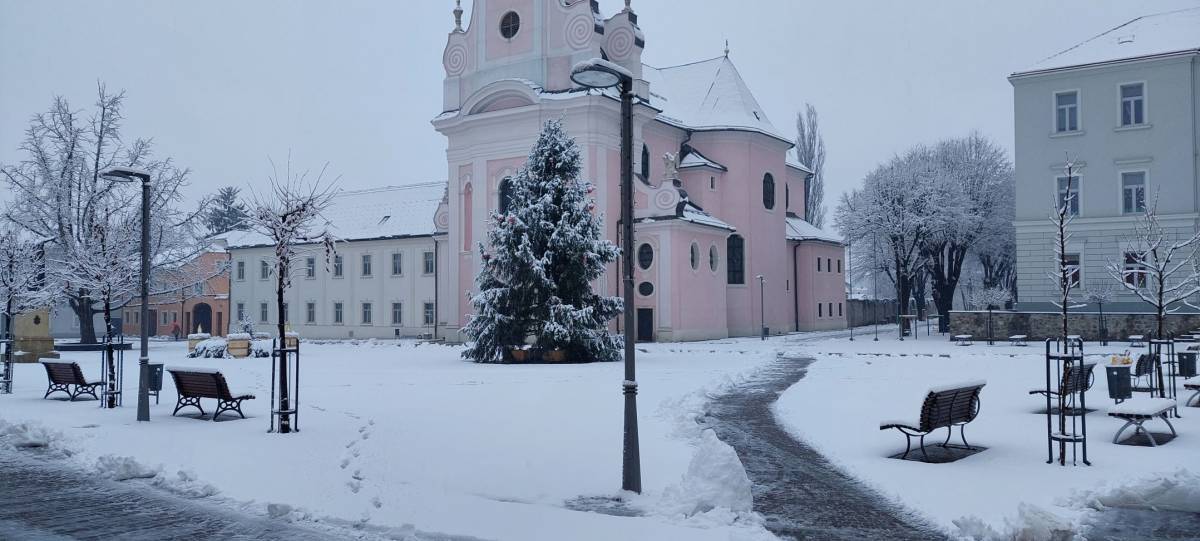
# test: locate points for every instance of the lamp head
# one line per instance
(599, 73)
(126, 174)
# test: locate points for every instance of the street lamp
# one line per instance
(130, 174)
(762, 310)
(599, 74)
(875, 281)
(850, 277)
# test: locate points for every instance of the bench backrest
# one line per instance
(1144, 365)
(950, 407)
(201, 384)
(64, 373)
(1078, 379)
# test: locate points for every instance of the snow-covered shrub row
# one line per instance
(218, 348)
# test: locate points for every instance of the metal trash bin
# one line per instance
(156, 377)
(1120, 386)
(1187, 363)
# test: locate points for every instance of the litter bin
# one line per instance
(1120, 386)
(156, 375)
(1187, 364)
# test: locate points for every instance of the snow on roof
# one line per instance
(695, 159)
(793, 160)
(377, 213)
(798, 229)
(1149, 35)
(693, 214)
(709, 94)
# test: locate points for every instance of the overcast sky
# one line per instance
(222, 85)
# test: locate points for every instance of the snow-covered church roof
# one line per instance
(706, 95)
(377, 213)
(798, 229)
(1172, 32)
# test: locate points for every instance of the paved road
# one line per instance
(798, 491)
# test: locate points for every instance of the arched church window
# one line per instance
(787, 196)
(736, 259)
(467, 213)
(510, 24)
(695, 256)
(769, 191)
(645, 163)
(645, 256)
(505, 195)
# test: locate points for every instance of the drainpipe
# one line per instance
(436, 305)
(796, 284)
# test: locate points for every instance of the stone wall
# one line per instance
(864, 311)
(1041, 325)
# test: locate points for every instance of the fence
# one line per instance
(868, 312)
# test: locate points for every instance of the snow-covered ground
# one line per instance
(398, 434)
(1008, 488)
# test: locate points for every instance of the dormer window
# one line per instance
(510, 24)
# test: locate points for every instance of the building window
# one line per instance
(338, 318)
(820, 310)
(818, 264)
(839, 309)
(839, 266)
(263, 315)
(735, 252)
(241, 270)
(366, 313)
(264, 270)
(505, 194)
(286, 319)
(712, 183)
(713, 258)
(645, 162)
(1066, 111)
(241, 311)
(1133, 104)
(787, 196)
(510, 24)
(429, 313)
(429, 264)
(1068, 194)
(645, 256)
(695, 256)
(1074, 276)
(310, 313)
(769, 191)
(1133, 192)
(397, 314)
(397, 264)
(310, 267)
(366, 265)
(830, 311)
(1134, 270)
(337, 266)
(829, 268)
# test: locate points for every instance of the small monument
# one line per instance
(31, 336)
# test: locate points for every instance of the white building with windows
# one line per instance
(1123, 106)
(381, 284)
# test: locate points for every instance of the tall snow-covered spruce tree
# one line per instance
(542, 255)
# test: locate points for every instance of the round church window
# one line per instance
(646, 289)
(510, 24)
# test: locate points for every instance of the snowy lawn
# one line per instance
(855, 385)
(397, 434)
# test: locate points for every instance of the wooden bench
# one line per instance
(63, 375)
(1136, 340)
(192, 384)
(944, 407)
(1079, 379)
(962, 339)
(1018, 340)
(1139, 410)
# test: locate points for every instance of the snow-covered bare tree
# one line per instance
(22, 288)
(1066, 274)
(227, 212)
(1100, 294)
(810, 149)
(990, 298)
(1158, 266)
(894, 210)
(289, 215)
(996, 250)
(60, 195)
(973, 176)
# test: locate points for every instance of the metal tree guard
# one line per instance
(1160, 349)
(112, 355)
(278, 413)
(1066, 379)
(6, 369)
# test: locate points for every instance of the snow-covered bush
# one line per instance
(218, 348)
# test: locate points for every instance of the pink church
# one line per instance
(720, 247)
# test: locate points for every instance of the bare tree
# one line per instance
(1158, 266)
(1066, 275)
(1100, 294)
(289, 216)
(810, 149)
(22, 287)
(990, 298)
(60, 195)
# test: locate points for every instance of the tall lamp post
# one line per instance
(600, 74)
(850, 277)
(875, 281)
(130, 174)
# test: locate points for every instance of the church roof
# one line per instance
(694, 158)
(706, 95)
(1166, 33)
(798, 229)
(377, 213)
